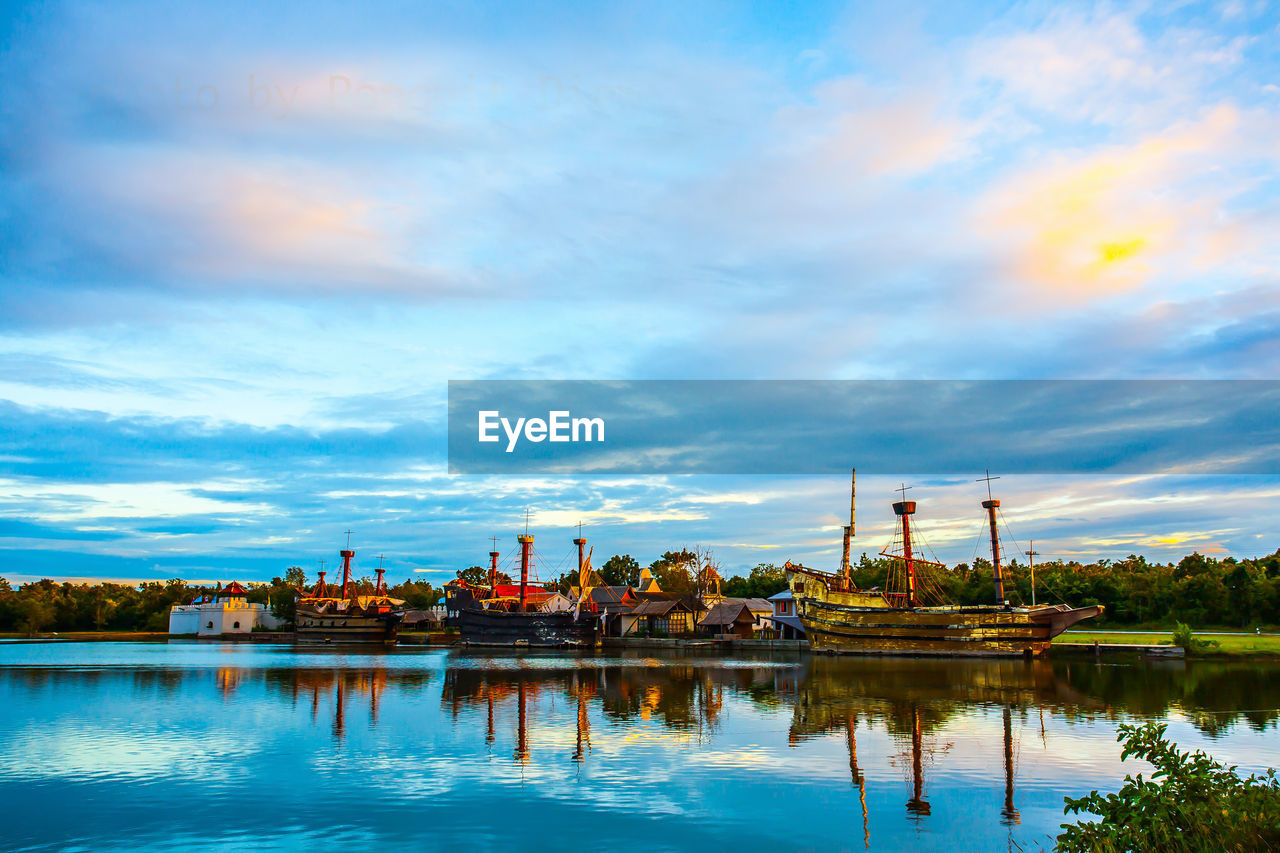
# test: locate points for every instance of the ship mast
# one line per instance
(347, 554)
(581, 542)
(905, 509)
(493, 567)
(848, 530)
(526, 542)
(991, 505)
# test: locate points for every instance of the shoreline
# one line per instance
(1232, 646)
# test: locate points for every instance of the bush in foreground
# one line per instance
(1190, 803)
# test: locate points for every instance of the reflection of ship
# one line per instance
(511, 615)
(911, 615)
(348, 616)
(914, 701)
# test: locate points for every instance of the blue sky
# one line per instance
(244, 249)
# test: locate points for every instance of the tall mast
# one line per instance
(493, 566)
(904, 509)
(380, 587)
(581, 542)
(991, 505)
(347, 554)
(848, 530)
(1008, 813)
(526, 542)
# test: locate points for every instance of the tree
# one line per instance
(765, 580)
(674, 571)
(474, 575)
(619, 570)
(295, 577)
(1196, 804)
(34, 613)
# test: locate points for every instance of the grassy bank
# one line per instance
(87, 635)
(1228, 644)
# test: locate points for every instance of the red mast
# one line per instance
(380, 588)
(991, 505)
(526, 542)
(493, 571)
(905, 509)
(321, 590)
(347, 554)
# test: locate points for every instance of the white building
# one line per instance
(227, 612)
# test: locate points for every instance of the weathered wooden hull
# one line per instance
(339, 627)
(500, 628)
(843, 622)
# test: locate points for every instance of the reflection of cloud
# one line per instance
(80, 751)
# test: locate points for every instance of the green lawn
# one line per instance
(1229, 644)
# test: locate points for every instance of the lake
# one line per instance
(232, 746)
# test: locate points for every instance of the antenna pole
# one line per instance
(1032, 553)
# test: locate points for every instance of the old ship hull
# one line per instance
(847, 621)
(500, 628)
(347, 628)
(936, 631)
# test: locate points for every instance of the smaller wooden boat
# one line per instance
(521, 615)
(347, 616)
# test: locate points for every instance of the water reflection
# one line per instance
(840, 753)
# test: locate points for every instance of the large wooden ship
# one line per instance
(910, 617)
(345, 615)
(521, 615)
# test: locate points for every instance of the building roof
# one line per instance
(232, 589)
(785, 595)
(659, 607)
(756, 605)
(611, 594)
(728, 612)
(793, 621)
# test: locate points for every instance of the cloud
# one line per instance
(1123, 217)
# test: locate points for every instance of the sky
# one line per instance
(244, 249)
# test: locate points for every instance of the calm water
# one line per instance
(194, 746)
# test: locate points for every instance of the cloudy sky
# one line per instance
(243, 251)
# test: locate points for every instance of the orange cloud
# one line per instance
(1113, 219)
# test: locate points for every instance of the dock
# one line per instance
(1100, 649)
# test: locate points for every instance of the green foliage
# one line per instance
(1182, 636)
(475, 575)
(1198, 590)
(674, 571)
(48, 606)
(417, 594)
(1190, 803)
(618, 570)
(765, 580)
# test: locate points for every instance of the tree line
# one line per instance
(46, 605)
(1198, 590)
